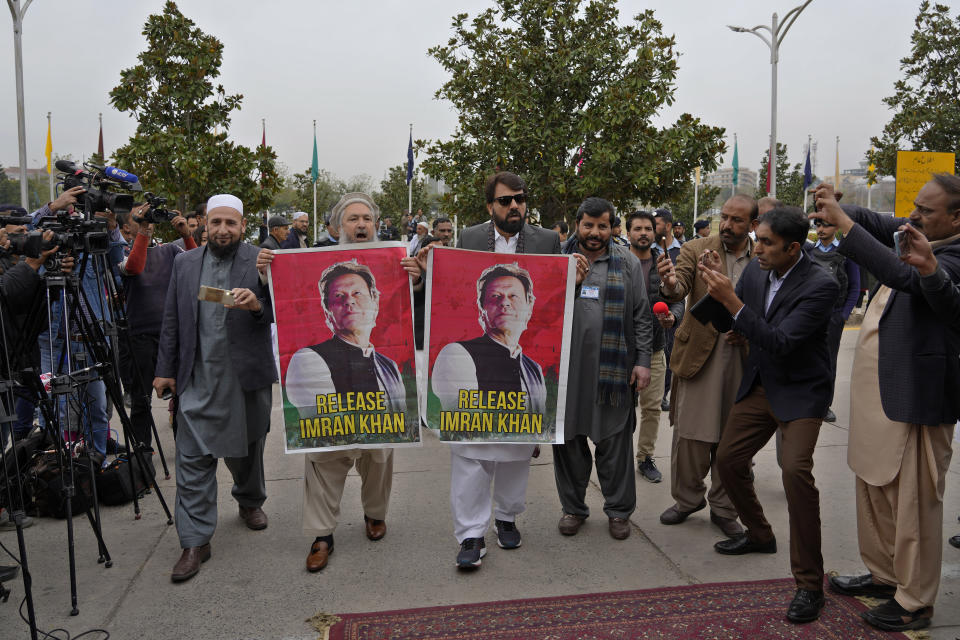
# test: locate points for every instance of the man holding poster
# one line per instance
(609, 362)
(505, 298)
(344, 389)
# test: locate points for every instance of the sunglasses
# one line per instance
(505, 200)
(821, 223)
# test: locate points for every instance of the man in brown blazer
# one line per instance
(707, 367)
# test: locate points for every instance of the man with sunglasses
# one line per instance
(474, 466)
(847, 274)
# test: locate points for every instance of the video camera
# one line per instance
(158, 211)
(98, 181)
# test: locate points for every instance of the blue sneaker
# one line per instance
(508, 536)
(471, 552)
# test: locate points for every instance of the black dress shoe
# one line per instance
(955, 541)
(861, 586)
(743, 544)
(806, 606)
(890, 616)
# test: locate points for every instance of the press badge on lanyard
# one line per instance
(590, 293)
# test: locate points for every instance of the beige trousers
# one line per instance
(900, 525)
(691, 461)
(324, 476)
(650, 398)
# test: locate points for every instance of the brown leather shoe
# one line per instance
(319, 553)
(189, 563)
(569, 524)
(255, 518)
(376, 529)
(674, 515)
(730, 527)
(619, 528)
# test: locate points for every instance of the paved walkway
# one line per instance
(255, 585)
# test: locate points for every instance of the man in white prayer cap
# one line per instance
(297, 239)
(211, 356)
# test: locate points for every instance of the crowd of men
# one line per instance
(747, 320)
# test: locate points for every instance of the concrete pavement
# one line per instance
(255, 585)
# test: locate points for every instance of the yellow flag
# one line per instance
(48, 150)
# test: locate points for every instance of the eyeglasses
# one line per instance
(821, 223)
(505, 200)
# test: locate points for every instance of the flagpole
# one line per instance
(836, 168)
(809, 138)
(49, 171)
(410, 184)
(315, 236)
(696, 189)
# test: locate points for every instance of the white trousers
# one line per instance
(470, 493)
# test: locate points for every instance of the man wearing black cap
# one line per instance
(678, 231)
(279, 230)
(668, 244)
(702, 228)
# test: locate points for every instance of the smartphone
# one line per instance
(212, 294)
(166, 395)
(900, 241)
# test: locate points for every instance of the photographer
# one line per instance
(92, 395)
(146, 274)
(18, 288)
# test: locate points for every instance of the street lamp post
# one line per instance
(773, 41)
(17, 11)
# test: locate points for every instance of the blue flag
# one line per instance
(807, 174)
(410, 159)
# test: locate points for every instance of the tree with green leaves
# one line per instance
(681, 205)
(541, 85)
(926, 100)
(392, 198)
(329, 189)
(9, 189)
(181, 149)
(789, 180)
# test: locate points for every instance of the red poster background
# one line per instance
(454, 314)
(301, 321)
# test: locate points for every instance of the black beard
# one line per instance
(509, 226)
(224, 251)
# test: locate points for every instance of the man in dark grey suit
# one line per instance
(211, 355)
(474, 467)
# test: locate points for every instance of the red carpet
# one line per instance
(730, 610)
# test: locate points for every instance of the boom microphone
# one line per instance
(120, 174)
(67, 166)
(660, 308)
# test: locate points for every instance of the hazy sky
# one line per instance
(361, 70)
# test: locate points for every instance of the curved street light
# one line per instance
(777, 30)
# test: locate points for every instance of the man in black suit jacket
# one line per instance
(903, 399)
(782, 306)
(211, 355)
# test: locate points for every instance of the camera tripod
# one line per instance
(96, 351)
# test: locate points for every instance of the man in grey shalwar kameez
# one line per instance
(211, 355)
(610, 353)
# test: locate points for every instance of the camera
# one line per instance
(158, 211)
(97, 182)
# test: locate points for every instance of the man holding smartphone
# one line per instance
(903, 400)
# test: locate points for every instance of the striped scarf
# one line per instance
(613, 382)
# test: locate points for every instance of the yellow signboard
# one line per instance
(914, 169)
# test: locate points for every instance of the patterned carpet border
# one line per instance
(727, 610)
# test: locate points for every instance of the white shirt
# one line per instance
(776, 283)
(502, 244)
